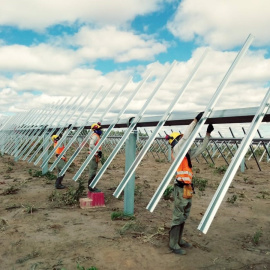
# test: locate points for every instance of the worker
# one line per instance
(183, 187)
(93, 164)
(61, 163)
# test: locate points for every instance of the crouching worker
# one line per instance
(93, 164)
(183, 187)
(61, 163)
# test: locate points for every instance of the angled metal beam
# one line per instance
(90, 133)
(232, 169)
(39, 138)
(106, 134)
(178, 159)
(49, 132)
(161, 123)
(132, 125)
(59, 126)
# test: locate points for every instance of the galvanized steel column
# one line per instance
(130, 187)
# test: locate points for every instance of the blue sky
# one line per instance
(51, 51)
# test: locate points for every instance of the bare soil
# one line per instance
(37, 231)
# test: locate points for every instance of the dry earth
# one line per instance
(37, 231)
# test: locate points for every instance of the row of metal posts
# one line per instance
(130, 138)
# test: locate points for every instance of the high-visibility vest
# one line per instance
(184, 172)
(59, 150)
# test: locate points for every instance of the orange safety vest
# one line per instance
(59, 150)
(184, 172)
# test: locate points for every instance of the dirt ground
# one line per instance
(39, 231)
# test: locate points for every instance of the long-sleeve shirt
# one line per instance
(94, 138)
(192, 152)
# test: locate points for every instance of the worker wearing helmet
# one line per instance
(61, 163)
(93, 164)
(183, 187)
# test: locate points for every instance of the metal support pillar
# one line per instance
(242, 167)
(130, 187)
(169, 153)
(45, 169)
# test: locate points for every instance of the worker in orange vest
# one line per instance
(93, 164)
(61, 163)
(183, 187)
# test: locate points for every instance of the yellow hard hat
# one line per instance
(54, 137)
(170, 138)
(96, 126)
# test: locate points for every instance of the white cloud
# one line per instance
(40, 58)
(119, 45)
(246, 87)
(222, 24)
(43, 13)
(55, 57)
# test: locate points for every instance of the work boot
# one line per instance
(58, 183)
(92, 189)
(173, 242)
(182, 242)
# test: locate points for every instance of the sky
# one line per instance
(50, 50)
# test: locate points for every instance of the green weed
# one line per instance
(79, 267)
(221, 169)
(121, 216)
(29, 208)
(256, 237)
(232, 199)
(9, 169)
(70, 197)
(200, 183)
(132, 226)
(48, 175)
(161, 160)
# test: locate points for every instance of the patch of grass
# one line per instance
(9, 169)
(3, 224)
(70, 197)
(11, 163)
(200, 183)
(264, 194)
(167, 195)
(245, 179)
(29, 208)
(10, 190)
(160, 160)
(48, 175)
(138, 191)
(256, 237)
(221, 169)
(132, 226)
(121, 216)
(232, 199)
(79, 267)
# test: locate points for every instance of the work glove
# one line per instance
(199, 116)
(210, 128)
(99, 154)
